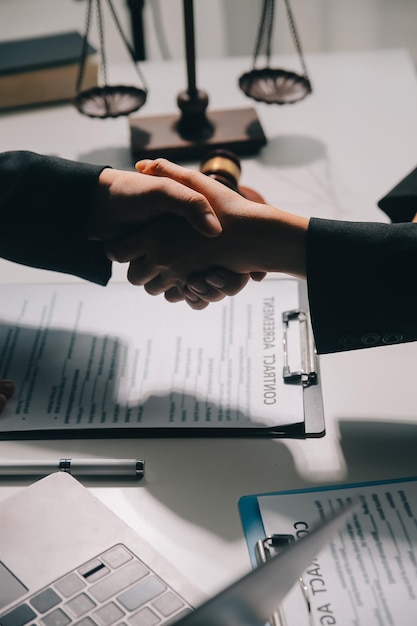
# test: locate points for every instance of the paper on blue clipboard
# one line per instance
(367, 575)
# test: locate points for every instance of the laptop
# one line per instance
(65, 558)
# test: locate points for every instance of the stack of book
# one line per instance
(43, 70)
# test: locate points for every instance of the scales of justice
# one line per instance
(195, 130)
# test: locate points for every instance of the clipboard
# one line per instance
(368, 572)
(245, 367)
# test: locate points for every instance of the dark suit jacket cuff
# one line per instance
(361, 279)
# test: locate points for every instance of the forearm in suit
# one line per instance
(362, 283)
(44, 205)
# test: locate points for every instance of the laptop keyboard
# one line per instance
(114, 588)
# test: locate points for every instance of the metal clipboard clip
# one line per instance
(307, 375)
(269, 547)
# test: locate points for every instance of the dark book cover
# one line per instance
(37, 53)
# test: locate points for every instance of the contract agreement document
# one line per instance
(87, 358)
(367, 574)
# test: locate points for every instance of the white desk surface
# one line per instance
(333, 155)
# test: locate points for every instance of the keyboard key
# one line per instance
(18, 617)
(80, 605)
(176, 618)
(56, 618)
(108, 614)
(94, 570)
(70, 585)
(116, 557)
(144, 617)
(142, 592)
(45, 600)
(87, 621)
(168, 603)
(114, 583)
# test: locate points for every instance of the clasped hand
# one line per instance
(190, 237)
(168, 255)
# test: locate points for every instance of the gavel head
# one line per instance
(224, 166)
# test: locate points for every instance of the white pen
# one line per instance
(109, 468)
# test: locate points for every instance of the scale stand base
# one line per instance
(238, 130)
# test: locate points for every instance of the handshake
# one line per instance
(182, 233)
(190, 237)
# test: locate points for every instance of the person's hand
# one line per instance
(124, 201)
(6, 392)
(214, 285)
(166, 252)
(256, 238)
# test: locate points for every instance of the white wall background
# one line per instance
(228, 27)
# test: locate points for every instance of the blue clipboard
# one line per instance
(251, 517)
(384, 527)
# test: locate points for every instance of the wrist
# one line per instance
(287, 238)
(270, 240)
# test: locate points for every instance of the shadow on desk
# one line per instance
(119, 157)
(292, 151)
(281, 151)
(204, 483)
(376, 450)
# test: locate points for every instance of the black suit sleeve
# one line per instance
(362, 283)
(44, 203)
